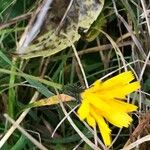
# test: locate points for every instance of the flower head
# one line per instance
(106, 101)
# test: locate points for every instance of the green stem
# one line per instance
(11, 93)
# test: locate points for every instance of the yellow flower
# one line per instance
(106, 101)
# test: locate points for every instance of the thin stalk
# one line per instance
(11, 92)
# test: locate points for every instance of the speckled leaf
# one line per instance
(81, 15)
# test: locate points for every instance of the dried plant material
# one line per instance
(141, 130)
(50, 101)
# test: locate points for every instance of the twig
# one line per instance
(15, 20)
(138, 142)
(143, 124)
(144, 66)
(64, 17)
(65, 117)
(103, 48)
(137, 43)
(78, 60)
(145, 15)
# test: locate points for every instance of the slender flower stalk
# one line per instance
(106, 101)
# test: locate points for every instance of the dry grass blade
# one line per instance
(137, 143)
(18, 121)
(142, 129)
(33, 140)
(136, 41)
(146, 15)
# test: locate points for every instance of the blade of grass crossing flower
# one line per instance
(96, 86)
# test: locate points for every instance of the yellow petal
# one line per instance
(105, 131)
(118, 91)
(119, 119)
(121, 106)
(91, 121)
(120, 79)
(83, 110)
(127, 89)
(96, 86)
(103, 127)
(94, 100)
(103, 100)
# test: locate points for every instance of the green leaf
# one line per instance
(40, 87)
(72, 138)
(94, 30)
(5, 58)
(20, 144)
